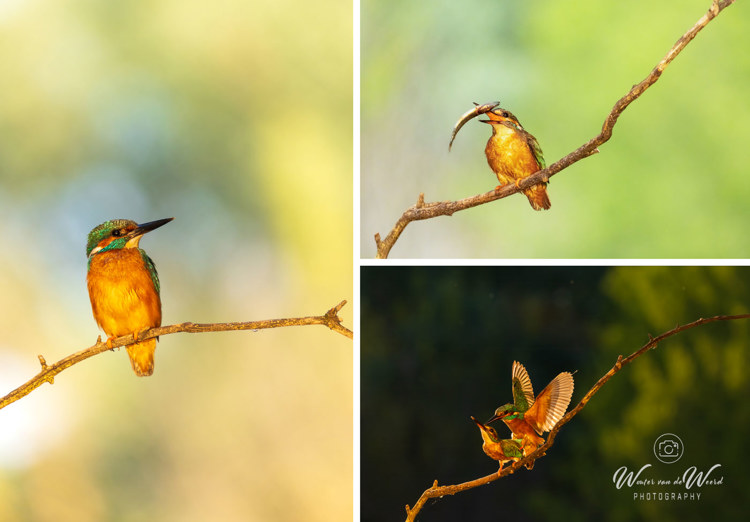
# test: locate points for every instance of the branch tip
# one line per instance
(336, 309)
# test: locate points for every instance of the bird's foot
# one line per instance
(518, 183)
(109, 342)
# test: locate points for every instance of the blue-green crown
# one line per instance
(105, 230)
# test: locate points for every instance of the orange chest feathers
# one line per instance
(123, 297)
(522, 430)
(509, 155)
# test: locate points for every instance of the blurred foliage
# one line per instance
(438, 344)
(669, 184)
(236, 119)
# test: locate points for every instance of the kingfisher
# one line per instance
(502, 450)
(124, 286)
(527, 417)
(512, 153)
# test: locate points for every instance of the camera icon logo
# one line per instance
(668, 448)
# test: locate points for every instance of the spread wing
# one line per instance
(523, 393)
(551, 404)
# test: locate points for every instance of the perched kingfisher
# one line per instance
(502, 450)
(512, 153)
(525, 416)
(124, 286)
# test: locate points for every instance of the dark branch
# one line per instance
(438, 491)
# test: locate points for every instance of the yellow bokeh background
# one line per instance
(236, 119)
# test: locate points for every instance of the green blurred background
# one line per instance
(438, 344)
(671, 183)
(236, 119)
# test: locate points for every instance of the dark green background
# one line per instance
(438, 344)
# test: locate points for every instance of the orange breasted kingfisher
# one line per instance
(502, 450)
(527, 417)
(124, 286)
(512, 153)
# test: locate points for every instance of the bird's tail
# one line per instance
(142, 357)
(538, 197)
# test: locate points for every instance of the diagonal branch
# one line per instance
(424, 210)
(439, 491)
(47, 374)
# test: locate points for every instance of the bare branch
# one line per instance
(439, 491)
(47, 374)
(447, 208)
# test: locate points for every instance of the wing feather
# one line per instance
(523, 392)
(551, 404)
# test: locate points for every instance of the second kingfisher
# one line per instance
(526, 415)
(124, 286)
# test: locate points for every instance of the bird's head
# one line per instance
(501, 117)
(506, 411)
(488, 432)
(119, 233)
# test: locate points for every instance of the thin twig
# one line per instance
(48, 372)
(438, 491)
(424, 210)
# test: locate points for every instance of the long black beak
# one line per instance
(148, 227)
(497, 417)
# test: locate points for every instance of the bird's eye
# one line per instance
(116, 233)
(506, 114)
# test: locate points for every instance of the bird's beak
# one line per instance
(134, 237)
(481, 426)
(497, 417)
(148, 227)
(486, 121)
